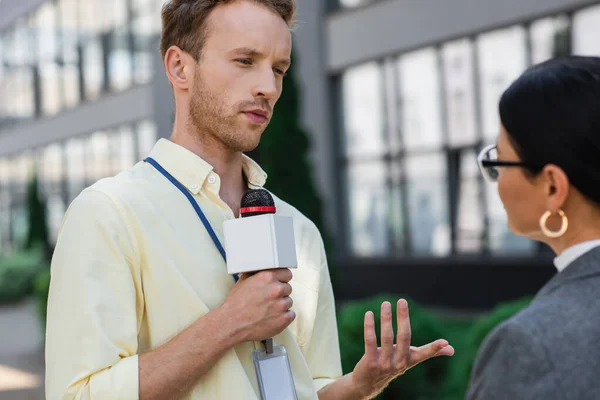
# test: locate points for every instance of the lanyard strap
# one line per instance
(194, 204)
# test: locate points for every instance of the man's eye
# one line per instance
(244, 61)
(279, 71)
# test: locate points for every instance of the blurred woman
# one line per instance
(546, 163)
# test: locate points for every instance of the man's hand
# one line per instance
(259, 305)
(380, 366)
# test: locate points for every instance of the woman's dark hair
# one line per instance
(552, 116)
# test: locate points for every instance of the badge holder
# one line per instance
(274, 373)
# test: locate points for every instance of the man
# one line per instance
(141, 305)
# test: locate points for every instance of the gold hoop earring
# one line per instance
(563, 226)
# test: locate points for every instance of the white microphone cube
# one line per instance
(260, 242)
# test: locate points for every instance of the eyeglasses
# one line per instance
(488, 163)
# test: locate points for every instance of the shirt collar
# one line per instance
(569, 255)
(192, 171)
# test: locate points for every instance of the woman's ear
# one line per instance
(556, 187)
(179, 67)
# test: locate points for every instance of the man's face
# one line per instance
(239, 76)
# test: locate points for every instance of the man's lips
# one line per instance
(257, 116)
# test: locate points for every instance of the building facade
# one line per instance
(398, 96)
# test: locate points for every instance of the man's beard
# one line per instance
(209, 115)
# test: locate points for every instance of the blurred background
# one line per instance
(381, 119)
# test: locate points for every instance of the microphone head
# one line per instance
(257, 202)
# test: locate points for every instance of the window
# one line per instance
(502, 59)
(586, 31)
(368, 202)
(460, 93)
(146, 138)
(421, 125)
(92, 49)
(427, 204)
(549, 38)
(70, 52)
(363, 110)
(46, 32)
(75, 168)
(470, 212)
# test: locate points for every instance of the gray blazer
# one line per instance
(551, 349)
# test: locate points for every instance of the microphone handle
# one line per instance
(268, 345)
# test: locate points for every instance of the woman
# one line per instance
(547, 166)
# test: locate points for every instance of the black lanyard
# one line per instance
(201, 215)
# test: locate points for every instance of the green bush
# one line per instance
(41, 287)
(18, 272)
(457, 380)
(420, 382)
(442, 378)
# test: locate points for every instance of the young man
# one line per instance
(141, 305)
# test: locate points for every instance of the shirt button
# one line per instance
(212, 179)
(194, 186)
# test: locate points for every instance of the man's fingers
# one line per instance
(370, 337)
(434, 349)
(387, 334)
(403, 339)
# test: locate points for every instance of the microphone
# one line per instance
(259, 239)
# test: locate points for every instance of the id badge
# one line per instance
(274, 374)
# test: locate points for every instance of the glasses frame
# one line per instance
(483, 163)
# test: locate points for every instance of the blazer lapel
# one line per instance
(586, 266)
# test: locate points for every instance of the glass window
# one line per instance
(70, 53)
(120, 59)
(143, 27)
(19, 76)
(460, 93)
(363, 109)
(98, 157)
(428, 204)
(420, 99)
(368, 205)
(119, 52)
(397, 205)
(76, 167)
(46, 31)
(502, 59)
(586, 31)
(146, 138)
(122, 150)
(51, 168)
(470, 219)
(549, 38)
(91, 39)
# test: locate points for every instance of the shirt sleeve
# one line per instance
(513, 364)
(92, 317)
(323, 354)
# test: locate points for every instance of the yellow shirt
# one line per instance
(134, 266)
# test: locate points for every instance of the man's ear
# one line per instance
(556, 187)
(179, 67)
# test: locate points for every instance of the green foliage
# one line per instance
(442, 378)
(40, 289)
(37, 220)
(18, 272)
(419, 382)
(460, 367)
